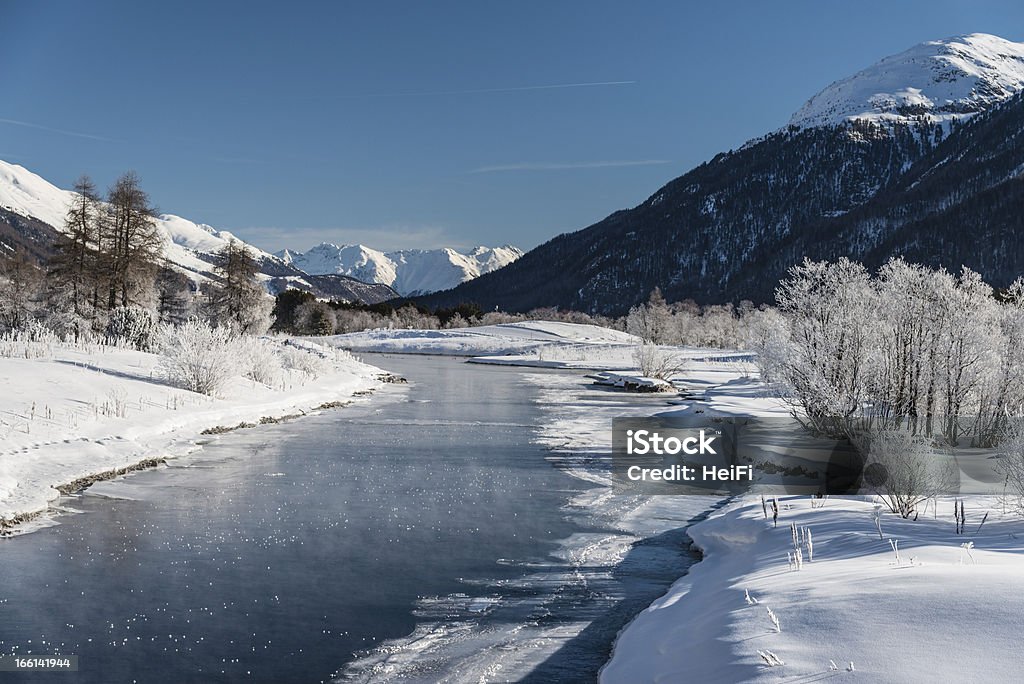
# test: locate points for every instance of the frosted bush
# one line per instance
(33, 342)
(304, 360)
(131, 326)
(262, 362)
(197, 357)
(655, 361)
(774, 619)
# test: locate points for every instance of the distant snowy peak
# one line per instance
(937, 81)
(411, 271)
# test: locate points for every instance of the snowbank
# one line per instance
(77, 412)
(937, 609)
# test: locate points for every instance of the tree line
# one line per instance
(922, 350)
(107, 278)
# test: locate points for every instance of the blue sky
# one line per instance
(421, 124)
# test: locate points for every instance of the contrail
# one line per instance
(559, 166)
(26, 124)
(476, 91)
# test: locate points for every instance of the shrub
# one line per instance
(655, 361)
(262, 362)
(303, 360)
(131, 326)
(197, 357)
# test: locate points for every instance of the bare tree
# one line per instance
(655, 361)
(904, 470)
(238, 300)
(21, 291)
(131, 244)
(74, 274)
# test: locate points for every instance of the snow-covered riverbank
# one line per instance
(70, 413)
(547, 344)
(936, 608)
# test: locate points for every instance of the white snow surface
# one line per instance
(59, 413)
(184, 241)
(408, 271)
(939, 81)
(530, 343)
(936, 610)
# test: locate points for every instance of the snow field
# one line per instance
(936, 610)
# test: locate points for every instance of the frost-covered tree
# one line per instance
(21, 292)
(656, 361)
(197, 356)
(904, 470)
(651, 322)
(828, 307)
(238, 300)
(913, 348)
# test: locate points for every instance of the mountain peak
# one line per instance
(936, 81)
(408, 271)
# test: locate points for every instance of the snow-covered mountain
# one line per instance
(863, 172)
(937, 81)
(190, 246)
(411, 271)
(187, 245)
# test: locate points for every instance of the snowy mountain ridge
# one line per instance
(186, 243)
(937, 82)
(190, 247)
(871, 167)
(409, 271)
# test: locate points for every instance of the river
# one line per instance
(418, 536)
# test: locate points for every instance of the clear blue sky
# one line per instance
(421, 124)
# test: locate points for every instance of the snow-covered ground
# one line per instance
(72, 412)
(538, 343)
(939, 608)
(936, 609)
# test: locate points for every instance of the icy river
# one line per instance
(418, 536)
